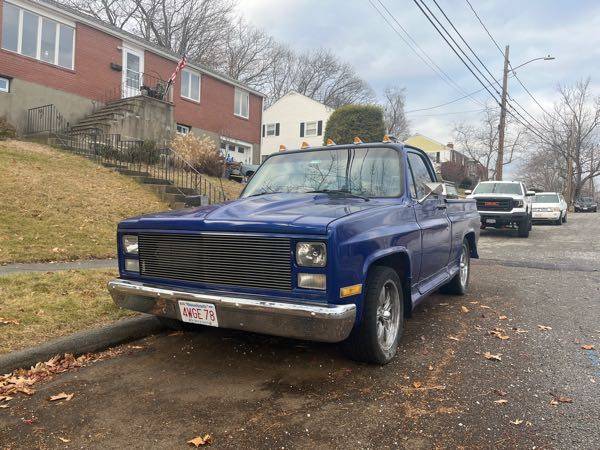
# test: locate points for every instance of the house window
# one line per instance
(190, 85)
(272, 129)
(241, 102)
(183, 129)
(4, 85)
(311, 128)
(36, 36)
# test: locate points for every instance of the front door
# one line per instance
(133, 68)
(433, 220)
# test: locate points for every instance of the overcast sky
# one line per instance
(568, 30)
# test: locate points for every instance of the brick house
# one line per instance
(53, 55)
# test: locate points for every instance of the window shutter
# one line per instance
(264, 127)
(277, 129)
(319, 128)
(301, 129)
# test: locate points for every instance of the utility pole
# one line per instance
(502, 125)
(570, 145)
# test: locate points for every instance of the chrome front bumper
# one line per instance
(310, 321)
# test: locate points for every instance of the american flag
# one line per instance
(180, 65)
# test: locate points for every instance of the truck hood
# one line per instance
(296, 213)
(519, 196)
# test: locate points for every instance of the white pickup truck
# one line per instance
(504, 203)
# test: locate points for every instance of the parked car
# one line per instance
(549, 206)
(586, 204)
(331, 244)
(242, 172)
(504, 204)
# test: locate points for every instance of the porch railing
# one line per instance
(45, 119)
(139, 84)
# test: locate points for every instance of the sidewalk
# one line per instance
(11, 269)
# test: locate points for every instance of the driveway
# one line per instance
(253, 391)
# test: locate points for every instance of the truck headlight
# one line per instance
(311, 254)
(130, 244)
(132, 265)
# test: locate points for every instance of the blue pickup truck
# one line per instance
(334, 244)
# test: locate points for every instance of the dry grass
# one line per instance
(56, 207)
(232, 189)
(49, 305)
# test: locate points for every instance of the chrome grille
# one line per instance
(234, 260)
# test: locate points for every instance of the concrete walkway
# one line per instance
(11, 269)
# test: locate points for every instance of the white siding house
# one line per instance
(292, 119)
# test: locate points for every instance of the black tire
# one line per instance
(530, 223)
(558, 221)
(363, 343)
(177, 325)
(458, 285)
(524, 227)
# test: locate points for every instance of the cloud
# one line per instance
(357, 34)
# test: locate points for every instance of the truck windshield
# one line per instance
(546, 198)
(498, 188)
(365, 172)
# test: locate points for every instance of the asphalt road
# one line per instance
(252, 391)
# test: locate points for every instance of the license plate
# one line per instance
(200, 313)
(490, 220)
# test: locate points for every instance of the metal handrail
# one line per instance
(45, 119)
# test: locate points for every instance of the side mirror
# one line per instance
(468, 191)
(530, 193)
(432, 189)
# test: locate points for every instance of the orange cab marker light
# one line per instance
(357, 140)
(386, 138)
(350, 290)
(330, 142)
(304, 145)
(282, 148)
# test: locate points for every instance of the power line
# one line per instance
(451, 112)
(502, 53)
(423, 56)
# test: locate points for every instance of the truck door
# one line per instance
(432, 217)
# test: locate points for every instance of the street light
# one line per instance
(502, 125)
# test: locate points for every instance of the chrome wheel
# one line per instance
(388, 315)
(464, 266)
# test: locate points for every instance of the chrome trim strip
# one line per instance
(332, 323)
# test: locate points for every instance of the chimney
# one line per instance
(450, 145)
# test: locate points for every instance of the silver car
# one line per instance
(550, 206)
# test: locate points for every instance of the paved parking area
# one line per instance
(252, 391)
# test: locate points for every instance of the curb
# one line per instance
(83, 342)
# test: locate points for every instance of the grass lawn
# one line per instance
(58, 207)
(49, 305)
(232, 189)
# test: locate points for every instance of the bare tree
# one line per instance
(118, 13)
(393, 112)
(480, 142)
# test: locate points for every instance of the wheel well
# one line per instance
(470, 238)
(400, 263)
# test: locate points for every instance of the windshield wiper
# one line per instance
(343, 192)
(265, 193)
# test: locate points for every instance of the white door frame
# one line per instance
(129, 88)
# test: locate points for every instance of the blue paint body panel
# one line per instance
(358, 234)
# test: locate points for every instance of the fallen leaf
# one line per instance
(201, 440)
(5, 398)
(464, 309)
(563, 399)
(501, 401)
(474, 303)
(453, 338)
(499, 335)
(587, 347)
(544, 327)
(502, 318)
(4, 405)
(516, 422)
(485, 307)
(5, 321)
(65, 440)
(492, 357)
(417, 384)
(25, 390)
(61, 396)
(500, 392)
(520, 330)
(553, 402)
(430, 367)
